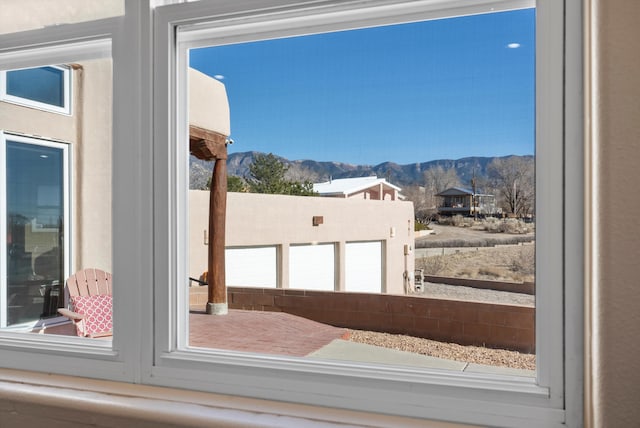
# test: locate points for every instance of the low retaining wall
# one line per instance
(466, 323)
(512, 287)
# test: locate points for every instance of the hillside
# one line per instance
(401, 175)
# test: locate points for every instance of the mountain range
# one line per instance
(319, 171)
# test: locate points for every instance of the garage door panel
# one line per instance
(363, 267)
(251, 267)
(312, 267)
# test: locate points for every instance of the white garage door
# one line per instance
(312, 267)
(251, 267)
(363, 267)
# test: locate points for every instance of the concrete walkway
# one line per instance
(280, 333)
(345, 350)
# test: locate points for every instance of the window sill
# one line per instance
(29, 398)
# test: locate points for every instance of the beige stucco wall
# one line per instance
(208, 104)
(92, 166)
(258, 219)
(88, 133)
(35, 14)
(613, 376)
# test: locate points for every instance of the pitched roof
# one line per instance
(347, 186)
(455, 191)
(458, 191)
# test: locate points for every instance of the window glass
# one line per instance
(36, 196)
(44, 87)
(408, 151)
(55, 204)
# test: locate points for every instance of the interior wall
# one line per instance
(613, 373)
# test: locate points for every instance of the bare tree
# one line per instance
(513, 178)
(422, 211)
(437, 179)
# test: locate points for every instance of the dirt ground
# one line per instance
(501, 263)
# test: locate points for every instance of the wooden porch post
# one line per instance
(217, 300)
(209, 145)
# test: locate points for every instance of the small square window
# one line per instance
(46, 88)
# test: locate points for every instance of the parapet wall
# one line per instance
(466, 323)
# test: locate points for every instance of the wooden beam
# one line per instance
(207, 145)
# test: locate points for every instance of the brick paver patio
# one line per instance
(261, 332)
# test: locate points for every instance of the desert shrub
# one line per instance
(456, 220)
(418, 226)
(467, 273)
(433, 265)
(508, 225)
(523, 262)
(512, 225)
(491, 224)
(491, 271)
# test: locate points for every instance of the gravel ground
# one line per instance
(461, 265)
(449, 351)
(456, 292)
(452, 351)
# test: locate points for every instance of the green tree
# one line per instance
(267, 175)
(300, 188)
(235, 184)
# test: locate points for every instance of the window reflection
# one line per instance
(55, 203)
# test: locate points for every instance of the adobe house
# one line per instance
(312, 243)
(359, 187)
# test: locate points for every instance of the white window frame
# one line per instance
(68, 90)
(144, 349)
(117, 359)
(66, 194)
(551, 399)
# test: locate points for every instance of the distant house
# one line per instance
(360, 188)
(457, 200)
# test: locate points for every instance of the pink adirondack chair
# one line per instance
(89, 296)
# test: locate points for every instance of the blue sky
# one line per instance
(442, 89)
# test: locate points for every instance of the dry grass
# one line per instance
(510, 263)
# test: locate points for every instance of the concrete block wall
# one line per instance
(465, 323)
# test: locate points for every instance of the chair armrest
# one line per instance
(73, 316)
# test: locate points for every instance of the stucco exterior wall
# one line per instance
(88, 132)
(92, 169)
(36, 14)
(208, 104)
(257, 219)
